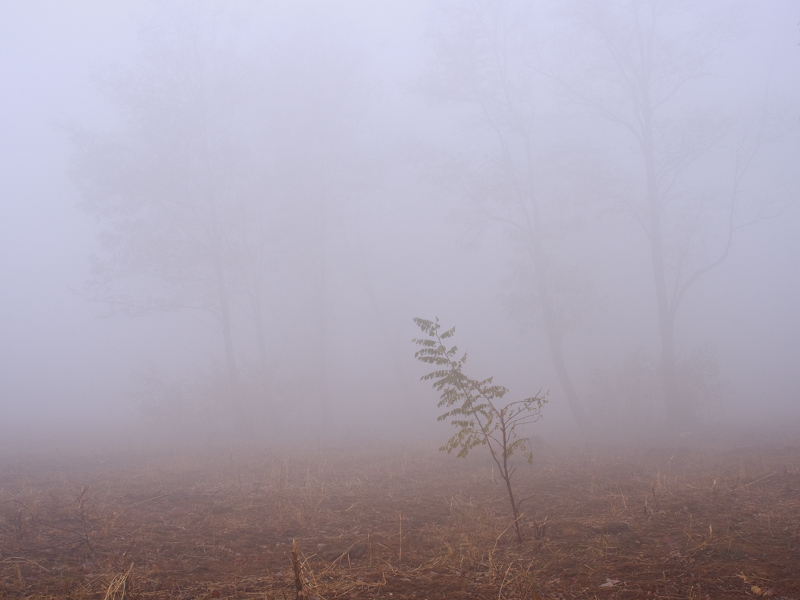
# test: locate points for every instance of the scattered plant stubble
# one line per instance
(720, 524)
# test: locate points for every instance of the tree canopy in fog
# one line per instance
(600, 194)
(540, 159)
(220, 153)
(512, 172)
(173, 187)
(646, 70)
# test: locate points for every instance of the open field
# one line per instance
(718, 521)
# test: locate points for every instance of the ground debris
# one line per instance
(400, 523)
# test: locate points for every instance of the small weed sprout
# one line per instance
(473, 408)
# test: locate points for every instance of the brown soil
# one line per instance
(720, 522)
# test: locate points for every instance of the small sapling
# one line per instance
(475, 408)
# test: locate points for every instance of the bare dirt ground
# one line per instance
(719, 521)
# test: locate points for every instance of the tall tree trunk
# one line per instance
(230, 356)
(555, 337)
(261, 336)
(675, 406)
(382, 320)
(552, 321)
(321, 342)
(223, 294)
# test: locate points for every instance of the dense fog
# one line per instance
(219, 219)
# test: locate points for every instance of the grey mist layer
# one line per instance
(220, 218)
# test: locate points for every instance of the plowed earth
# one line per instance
(703, 522)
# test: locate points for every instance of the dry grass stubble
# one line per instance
(367, 523)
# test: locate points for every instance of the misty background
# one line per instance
(220, 218)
